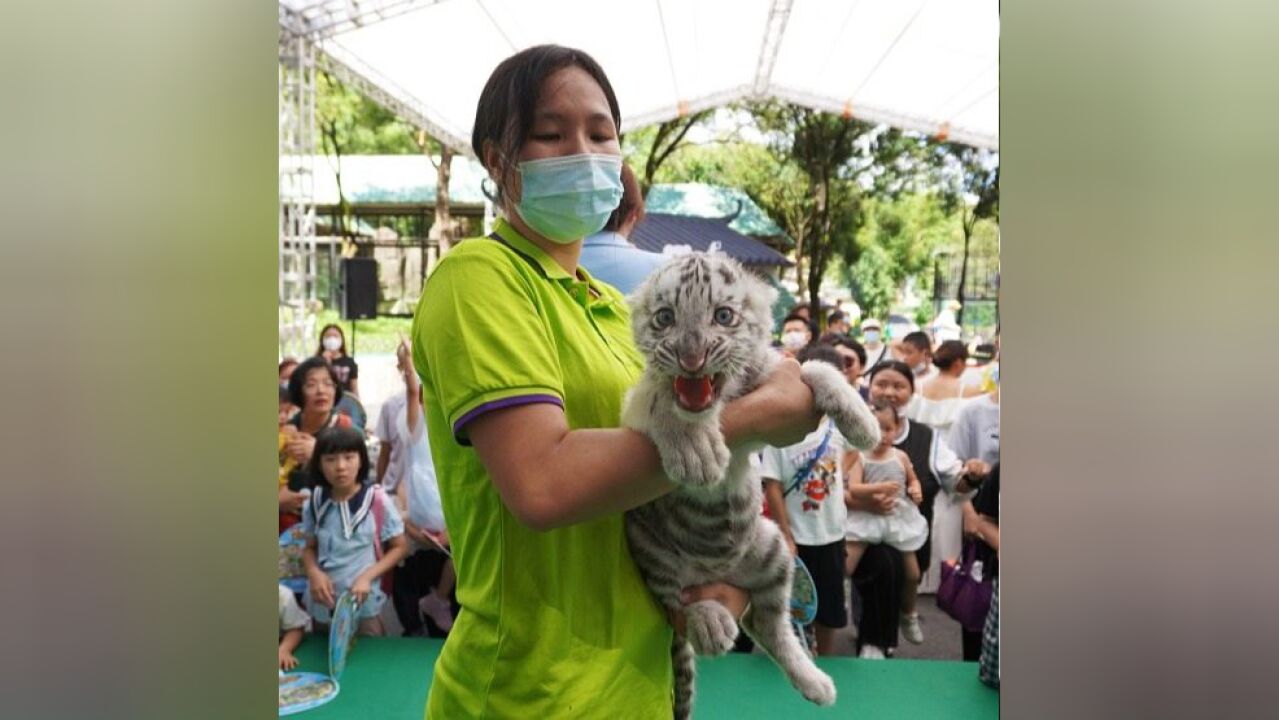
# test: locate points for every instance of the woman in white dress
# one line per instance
(937, 404)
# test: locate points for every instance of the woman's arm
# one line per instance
(291, 502)
(980, 526)
(383, 459)
(550, 476)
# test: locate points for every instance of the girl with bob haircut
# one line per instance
(525, 359)
(354, 533)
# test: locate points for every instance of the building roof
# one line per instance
(659, 230)
(712, 201)
(408, 179)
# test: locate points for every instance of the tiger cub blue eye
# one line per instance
(663, 318)
(723, 316)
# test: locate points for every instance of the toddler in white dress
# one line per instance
(904, 528)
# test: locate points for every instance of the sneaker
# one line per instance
(910, 628)
(438, 609)
(871, 652)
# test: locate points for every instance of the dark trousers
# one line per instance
(972, 644)
(413, 580)
(878, 582)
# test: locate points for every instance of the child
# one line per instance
(341, 519)
(904, 528)
(804, 488)
(293, 622)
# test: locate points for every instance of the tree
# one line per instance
(968, 179)
(658, 143)
(351, 124)
(839, 162)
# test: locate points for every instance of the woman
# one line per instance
(893, 383)
(333, 348)
(981, 524)
(936, 405)
(853, 356)
(525, 360)
(315, 389)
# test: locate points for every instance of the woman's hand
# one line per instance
(734, 598)
(361, 588)
(884, 497)
(321, 588)
(780, 412)
(300, 446)
(415, 533)
(976, 468)
(292, 502)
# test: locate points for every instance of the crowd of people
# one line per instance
(889, 516)
(373, 528)
(509, 427)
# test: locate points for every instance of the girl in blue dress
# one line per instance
(354, 533)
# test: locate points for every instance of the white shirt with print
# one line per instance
(816, 506)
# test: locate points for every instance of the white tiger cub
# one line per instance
(703, 324)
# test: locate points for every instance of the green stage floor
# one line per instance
(388, 679)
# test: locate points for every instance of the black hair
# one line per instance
(504, 113)
(842, 340)
(949, 353)
(918, 340)
(879, 407)
(630, 210)
(896, 366)
(290, 360)
(795, 317)
(837, 316)
(326, 328)
(333, 440)
(298, 379)
(824, 353)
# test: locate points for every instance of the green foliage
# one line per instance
(351, 124)
(375, 335)
(873, 281)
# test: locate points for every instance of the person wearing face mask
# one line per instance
(333, 348)
(873, 342)
(916, 350)
(525, 358)
(797, 333)
(608, 255)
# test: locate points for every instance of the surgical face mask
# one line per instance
(871, 336)
(564, 199)
(920, 369)
(332, 343)
(794, 340)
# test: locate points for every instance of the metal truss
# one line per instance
(325, 18)
(778, 14)
(354, 72)
(297, 247)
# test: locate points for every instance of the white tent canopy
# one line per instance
(931, 66)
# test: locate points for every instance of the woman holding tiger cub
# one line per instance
(525, 360)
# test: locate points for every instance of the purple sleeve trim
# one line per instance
(497, 405)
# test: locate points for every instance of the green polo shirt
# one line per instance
(553, 624)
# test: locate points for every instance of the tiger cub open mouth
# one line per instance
(697, 393)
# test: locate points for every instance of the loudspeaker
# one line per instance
(359, 288)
